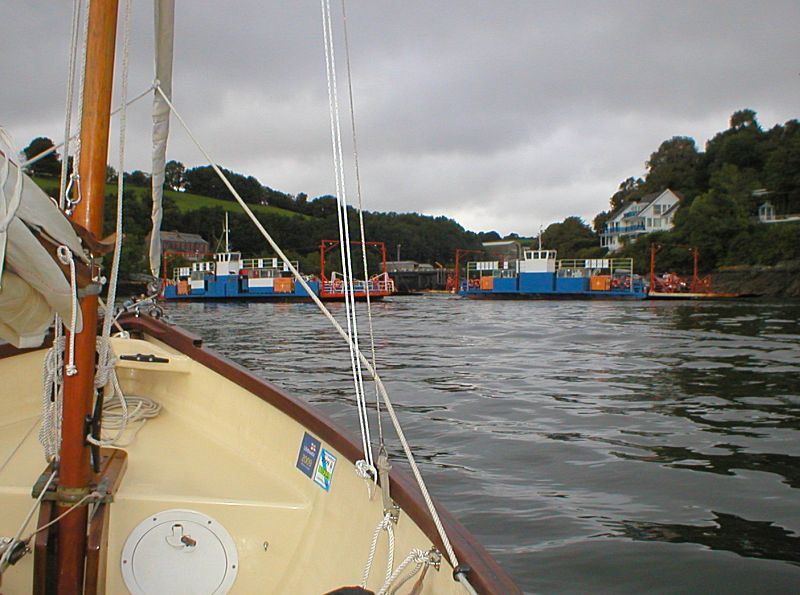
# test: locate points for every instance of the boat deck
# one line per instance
(214, 450)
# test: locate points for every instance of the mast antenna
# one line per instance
(227, 234)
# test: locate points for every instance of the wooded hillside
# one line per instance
(722, 187)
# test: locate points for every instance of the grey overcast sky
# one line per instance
(503, 115)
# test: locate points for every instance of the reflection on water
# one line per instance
(750, 539)
(604, 447)
(788, 467)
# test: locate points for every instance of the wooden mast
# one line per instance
(75, 473)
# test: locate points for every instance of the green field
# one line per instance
(183, 200)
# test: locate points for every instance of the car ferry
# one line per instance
(538, 274)
(230, 277)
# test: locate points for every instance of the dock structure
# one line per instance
(410, 276)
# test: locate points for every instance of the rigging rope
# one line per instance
(54, 148)
(19, 444)
(361, 214)
(108, 318)
(76, 20)
(65, 256)
(344, 231)
(344, 334)
(338, 327)
(53, 367)
(107, 360)
(417, 555)
(6, 557)
(66, 202)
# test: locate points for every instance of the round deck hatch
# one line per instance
(179, 551)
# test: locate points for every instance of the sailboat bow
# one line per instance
(168, 468)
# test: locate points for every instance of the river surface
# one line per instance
(598, 447)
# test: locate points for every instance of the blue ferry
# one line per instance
(537, 274)
(230, 277)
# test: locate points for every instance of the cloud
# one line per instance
(502, 115)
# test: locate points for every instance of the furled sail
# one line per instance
(165, 24)
(33, 284)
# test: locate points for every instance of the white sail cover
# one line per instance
(165, 25)
(32, 286)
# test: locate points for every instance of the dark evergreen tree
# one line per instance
(630, 189)
(174, 175)
(49, 166)
(675, 166)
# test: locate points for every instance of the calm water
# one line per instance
(592, 447)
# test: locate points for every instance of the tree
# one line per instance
(782, 168)
(488, 236)
(674, 165)
(742, 145)
(137, 178)
(599, 222)
(49, 166)
(323, 206)
(278, 199)
(630, 189)
(173, 175)
(744, 118)
(572, 237)
(204, 180)
(710, 224)
(301, 202)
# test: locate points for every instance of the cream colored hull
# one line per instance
(219, 450)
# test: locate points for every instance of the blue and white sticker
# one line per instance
(307, 458)
(324, 471)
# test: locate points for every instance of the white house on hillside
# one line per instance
(654, 212)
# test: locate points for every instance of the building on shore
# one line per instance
(654, 212)
(189, 245)
(766, 214)
(410, 276)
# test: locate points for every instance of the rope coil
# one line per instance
(419, 558)
(387, 525)
(52, 399)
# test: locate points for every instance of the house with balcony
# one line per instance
(651, 213)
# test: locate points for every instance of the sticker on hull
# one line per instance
(324, 471)
(307, 457)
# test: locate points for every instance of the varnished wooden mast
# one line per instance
(75, 473)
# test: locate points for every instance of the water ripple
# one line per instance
(581, 442)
